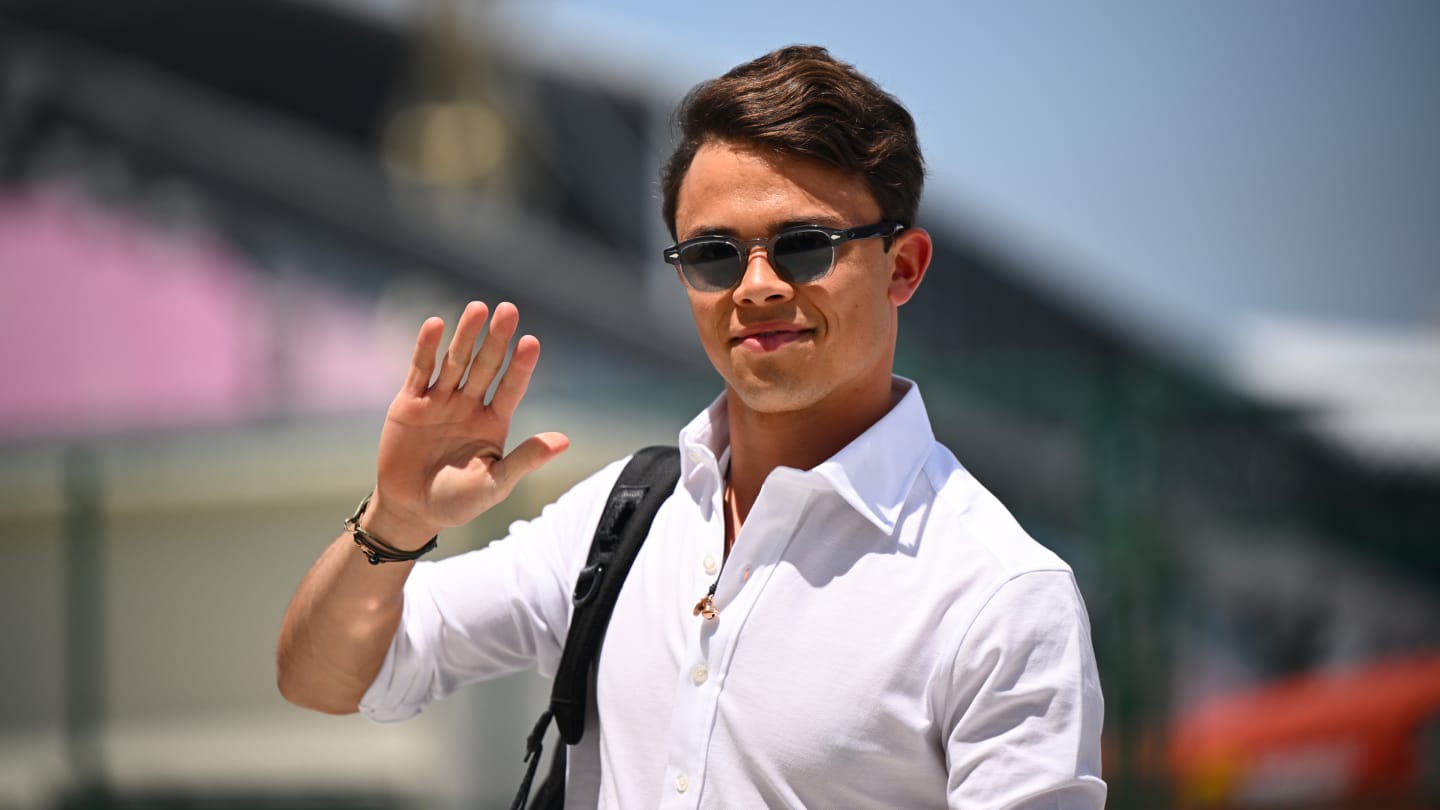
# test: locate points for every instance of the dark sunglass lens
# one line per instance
(804, 256)
(711, 265)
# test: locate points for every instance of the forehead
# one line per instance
(747, 191)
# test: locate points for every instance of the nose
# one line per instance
(760, 283)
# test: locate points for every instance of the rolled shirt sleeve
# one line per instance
(486, 613)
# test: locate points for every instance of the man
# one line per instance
(879, 632)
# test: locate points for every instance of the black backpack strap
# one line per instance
(644, 484)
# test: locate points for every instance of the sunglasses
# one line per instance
(800, 255)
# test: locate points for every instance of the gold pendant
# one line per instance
(706, 607)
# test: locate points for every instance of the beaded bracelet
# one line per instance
(377, 550)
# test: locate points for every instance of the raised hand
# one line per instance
(442, 455)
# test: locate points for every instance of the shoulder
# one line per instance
(1017, 606)
(974, 526)
(577, 511)
(964, 554)
(555, 540)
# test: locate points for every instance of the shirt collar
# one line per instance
(873, 473)
(705, 453)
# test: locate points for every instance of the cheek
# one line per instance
(700, 308)
(859, 312)
(862, 331)
(712, 319)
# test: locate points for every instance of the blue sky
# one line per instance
(1189, 167)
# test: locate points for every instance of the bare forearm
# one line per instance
(440, 464)
(339, 626)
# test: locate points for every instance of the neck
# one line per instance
(802, 439)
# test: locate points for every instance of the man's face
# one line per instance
(783, 347)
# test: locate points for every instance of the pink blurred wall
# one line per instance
(108, 323)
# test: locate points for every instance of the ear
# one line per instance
(911, 252)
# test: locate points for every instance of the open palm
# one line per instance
(442, 455)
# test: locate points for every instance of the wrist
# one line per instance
(395, 528)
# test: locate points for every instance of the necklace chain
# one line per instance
(706, 606)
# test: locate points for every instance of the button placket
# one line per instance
(779, 527)
(697, 685)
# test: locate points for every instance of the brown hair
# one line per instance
(799, 100)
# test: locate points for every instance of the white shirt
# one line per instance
(888, 637)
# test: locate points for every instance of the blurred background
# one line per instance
(1184, 319)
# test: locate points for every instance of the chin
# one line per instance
(775, 396)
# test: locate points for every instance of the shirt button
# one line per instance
(710, 565)
(699, 674)
(682, 783)
(695, 457)
(745, 575)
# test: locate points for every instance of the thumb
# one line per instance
(532, 454)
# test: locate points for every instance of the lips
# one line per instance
(769, 337)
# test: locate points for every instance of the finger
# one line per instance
(492, 352)
(532, 454)
(516, 381)
(462, 346)
(422, 364)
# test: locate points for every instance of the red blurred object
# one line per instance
(1365, 737)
